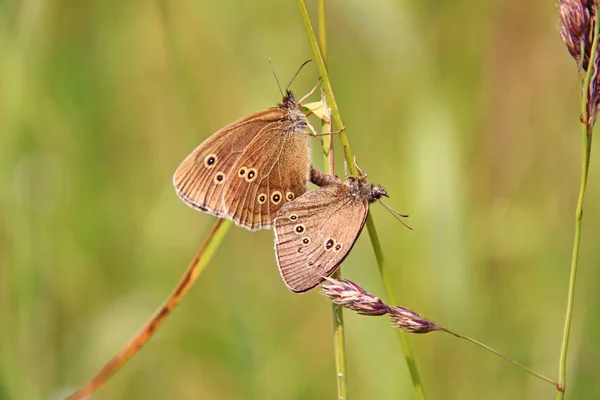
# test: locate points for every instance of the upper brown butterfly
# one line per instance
(315, 232)
(249, 169)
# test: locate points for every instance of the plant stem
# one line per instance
(586, 136)
(322, 21)
(196, 267)
(349, 156)
(402, 337)
(496, 352)
(327, 86)
(339, 340)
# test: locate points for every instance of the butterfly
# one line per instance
(315, 232)
(248, 170)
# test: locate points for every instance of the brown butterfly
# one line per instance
(249, 169)
(315, 232)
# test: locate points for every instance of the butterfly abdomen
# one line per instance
(321, 179)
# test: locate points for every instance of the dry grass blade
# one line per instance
(196, 267)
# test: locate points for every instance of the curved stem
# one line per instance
(196, 267)
(349, 156)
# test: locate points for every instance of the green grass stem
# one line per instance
(349, 156)
(339, 336)
(586, 136)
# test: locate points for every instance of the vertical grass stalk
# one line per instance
(339, 340)
(349, 156)
(587, 125)
(402, 337)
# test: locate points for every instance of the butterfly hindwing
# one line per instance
(315, 232)
(271, 172)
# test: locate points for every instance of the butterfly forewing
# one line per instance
(202, 176)
(271, 172)
(314, 233)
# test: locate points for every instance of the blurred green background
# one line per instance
(466, 111)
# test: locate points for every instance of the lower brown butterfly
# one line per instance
(315, 232)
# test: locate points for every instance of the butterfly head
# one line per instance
(294, 112)
(289, 101)
(376, 192)
(359, 187)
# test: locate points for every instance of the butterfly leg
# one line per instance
(360, 171)
(324, 115)
(315, 134)
(311, 92)
(328, 133)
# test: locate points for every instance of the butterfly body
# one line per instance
(249, 169)
(315, 233)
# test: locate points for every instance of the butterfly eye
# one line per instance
(306, 240)
(276, 197)
(293, 217)
(251, 175)
(329, 244)
(262, 198)
(290, 196)
(299, 228)
(219, 178)
(242, 172)
(210, 160)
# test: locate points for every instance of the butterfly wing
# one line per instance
(272, 171)
(314, 233)
(200, 178)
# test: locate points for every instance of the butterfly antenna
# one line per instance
(275, 75)
(398, 215)
(297, 72)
